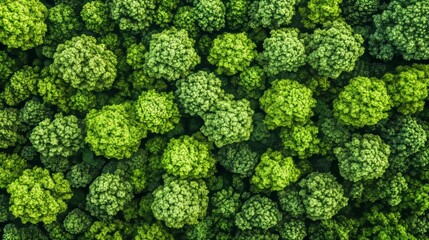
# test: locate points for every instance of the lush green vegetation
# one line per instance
(214, 119)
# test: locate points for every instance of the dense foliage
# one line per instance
(214, 119)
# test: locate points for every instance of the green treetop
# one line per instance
(251, 82)
(399, 31)
(287, 102)
(23, 23)
(185, 19)
(389, 189)
(301, 140)
(85, 65)
(258, 212)
(21, 86)
(293, 229)
(11, 167)
(165, 12)
(363, 102)
(14, 232)
(408, 89)
(77, 221)
(135, 55)
(275, 171)
(415, 198)
(228, 121)
(322, 196)
(187, 157)
(238, 158)
(10, 128)
(379, 224)
(332, 132)
(37, 196)
(113, 131)
(198, 92)
(210, 14)
(34, 111)
(291, 202)
(61, 137)
(6, 68)
(108, 194)
(180, 202)
(232, 53)
(360, 12)
(133, 15)
(335, 228)
(63, 24)
(334, 49)
(225, 203)
(321, 11)
(135, 170)
(155, 231)
(96, 16)
(157, 111)
(283, 52)
(83, 173)
(108, 230)
(365, 157)
(405, 136)
(55, 91)
(271, 13)
(171, 55)
(237, 13)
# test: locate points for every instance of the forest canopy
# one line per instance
(214, 119)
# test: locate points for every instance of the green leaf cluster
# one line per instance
(198, 92)
(133, 15)
(398, 31)
(11, 167)
(171, 55)
(187, 157)
(322, 196)
(363, 102)
(408, 89)
(301, 140)
(108, 194)
(321, 11)
(238, 158)
(113, 132)
(38, 189)
(21, 86)
(258, 212)
(61, 137)
(180, 202)
(271, 13)
(365, 157)
(232, 53)
(210, 14)
(96, 16)
(287, 102)
(275, 171)
(228, 122)
(77, 221)
(283, 52)
(334, 49)
(23, 23)
(10, 128)
(157, 111)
